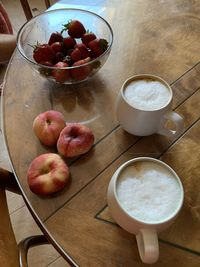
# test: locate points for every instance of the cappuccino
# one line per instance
(148, 191)
(147, 94)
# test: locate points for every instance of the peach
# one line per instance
(47, 174)
(48, 125)
(75, 139)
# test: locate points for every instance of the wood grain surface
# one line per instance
(158, 37)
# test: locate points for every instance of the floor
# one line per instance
(22, 221)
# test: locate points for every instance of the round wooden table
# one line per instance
(157, 37)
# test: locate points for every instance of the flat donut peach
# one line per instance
(47, 174)
(74, 140)
(48, 125)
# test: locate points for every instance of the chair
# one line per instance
(11, 254)
(27, 9)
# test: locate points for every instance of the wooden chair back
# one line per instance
(27, 9)
(8, 246)
(11, 254)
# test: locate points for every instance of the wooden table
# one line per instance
(157, 37)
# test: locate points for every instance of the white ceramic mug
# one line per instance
(145, 231)
(142, 122)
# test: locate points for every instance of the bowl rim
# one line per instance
(59, 10)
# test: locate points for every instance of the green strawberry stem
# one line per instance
(67, 59)
(103, 44)
(35, 46)
(66, 26)
(88, 31)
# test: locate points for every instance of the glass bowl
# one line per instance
(39, 29)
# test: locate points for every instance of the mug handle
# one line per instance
(147, 242)
(176, 119)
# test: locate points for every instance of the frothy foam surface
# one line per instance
(148, 191)
(147, 94)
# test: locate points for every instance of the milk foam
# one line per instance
(148, 191)
(147, 94)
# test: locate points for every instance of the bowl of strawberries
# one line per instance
(66, 45)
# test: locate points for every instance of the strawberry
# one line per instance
(69, 42)
(59, 57)
(75, 55)
(55, 37)
(74, 28)
(61, 75)
(43, 52)
(57, 47)
(81, 73)
(83, 49)
(98, 46)
(88, 37)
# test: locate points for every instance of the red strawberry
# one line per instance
(43, 52)
(59, 57)
(61, 75)
(75, 55)
(83, 49)
(98, 46)
(55, 37)
(81, 73)
(74, 28)
(88, 37)
(69, 42)
(57, 47)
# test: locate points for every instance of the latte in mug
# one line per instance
(145, 195)
(147, 94)
(148, 191)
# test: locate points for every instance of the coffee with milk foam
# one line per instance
(148, 191)
(147, 94)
